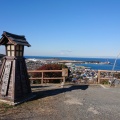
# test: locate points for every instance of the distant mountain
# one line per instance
(1, 55)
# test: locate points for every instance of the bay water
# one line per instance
(92, 66)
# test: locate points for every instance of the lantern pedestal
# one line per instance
(14, 82)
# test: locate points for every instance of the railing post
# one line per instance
(42, 79)
(63, 82)
(64, 79)
(64, 74)
(98, 77)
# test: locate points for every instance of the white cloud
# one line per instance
(65, 52)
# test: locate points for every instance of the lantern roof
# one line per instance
(9, 38)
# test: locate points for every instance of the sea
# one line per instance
(110, 66)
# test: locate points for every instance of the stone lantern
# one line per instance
(14, 82)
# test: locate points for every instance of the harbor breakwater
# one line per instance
(92, 63)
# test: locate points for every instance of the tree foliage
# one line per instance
(50, 67)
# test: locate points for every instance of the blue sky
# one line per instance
(71, 28)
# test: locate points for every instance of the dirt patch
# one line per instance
(31, 109)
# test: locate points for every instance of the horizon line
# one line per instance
(73, 56)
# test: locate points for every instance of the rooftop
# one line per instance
(13, 39)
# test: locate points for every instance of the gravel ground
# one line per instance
(69, 103)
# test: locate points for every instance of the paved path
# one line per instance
(70, 103)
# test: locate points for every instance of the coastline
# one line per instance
(93, 63)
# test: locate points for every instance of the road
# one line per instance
(76, 102)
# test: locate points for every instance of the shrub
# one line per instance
(104, 81)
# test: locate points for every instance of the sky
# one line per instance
(64, 28)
